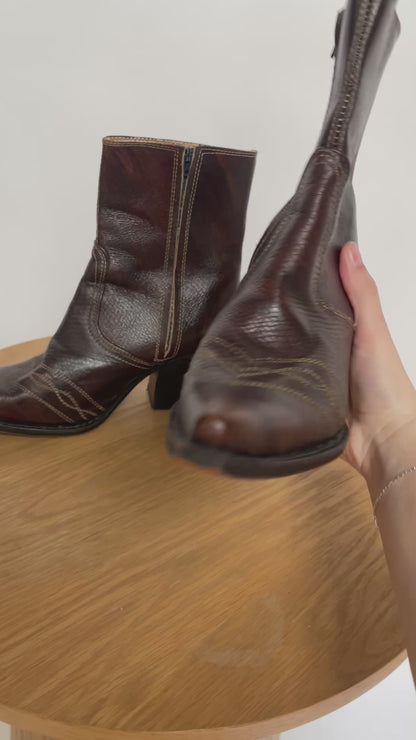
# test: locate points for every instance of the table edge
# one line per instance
(59, 729)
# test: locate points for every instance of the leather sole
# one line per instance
(252, 466)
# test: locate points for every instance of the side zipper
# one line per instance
(367, 14)
(187, 158)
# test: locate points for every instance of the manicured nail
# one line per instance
(355, 255)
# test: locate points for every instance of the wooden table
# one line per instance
(139, 595)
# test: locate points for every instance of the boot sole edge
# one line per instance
(50, 430)
(238, 465)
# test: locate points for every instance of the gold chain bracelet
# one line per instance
(387, 487)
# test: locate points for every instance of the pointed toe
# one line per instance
(211, 431)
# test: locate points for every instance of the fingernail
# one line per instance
(355, 255)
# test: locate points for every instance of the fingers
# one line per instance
(360, 288)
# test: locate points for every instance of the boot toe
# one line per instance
(261, 425)
(212, 431)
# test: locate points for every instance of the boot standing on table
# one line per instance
(170, 226)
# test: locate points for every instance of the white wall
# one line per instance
(244, 73)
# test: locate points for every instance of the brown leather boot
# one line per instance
(267, 391)
(171, 220)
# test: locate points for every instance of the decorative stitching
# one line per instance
(337, 313)
(295, 373)
(322, 154)
(59, 393)
(95, 262)
(276, 223)
(111, 349)
(246, 357)
(74, 385)
(134, 141)
(167, 252)
(203, 152)
(326, 235)
(45, 403)
(260, 367)
(116, 350)
(101, 256)
(289, 210)
(185, 249)
(170, 321)
(147, 141)
(243, 356)
(340, 165)
(96, 338)
(291, 391)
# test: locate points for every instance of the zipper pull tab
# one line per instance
(337, 32)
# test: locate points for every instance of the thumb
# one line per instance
(360, 288)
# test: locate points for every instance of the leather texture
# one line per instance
(270, 377)
(170, 226)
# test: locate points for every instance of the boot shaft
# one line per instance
(321, 216)
(170, 226)
(365, 35)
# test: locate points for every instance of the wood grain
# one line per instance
(139, 595)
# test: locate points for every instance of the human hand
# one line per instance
(383, 400)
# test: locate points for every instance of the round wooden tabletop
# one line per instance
(139, 595)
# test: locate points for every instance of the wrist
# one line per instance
(391, 450)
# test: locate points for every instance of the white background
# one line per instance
(240, 73)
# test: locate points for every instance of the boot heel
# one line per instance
(165, 383)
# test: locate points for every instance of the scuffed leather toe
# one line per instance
(212, 431)
(260, 424)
